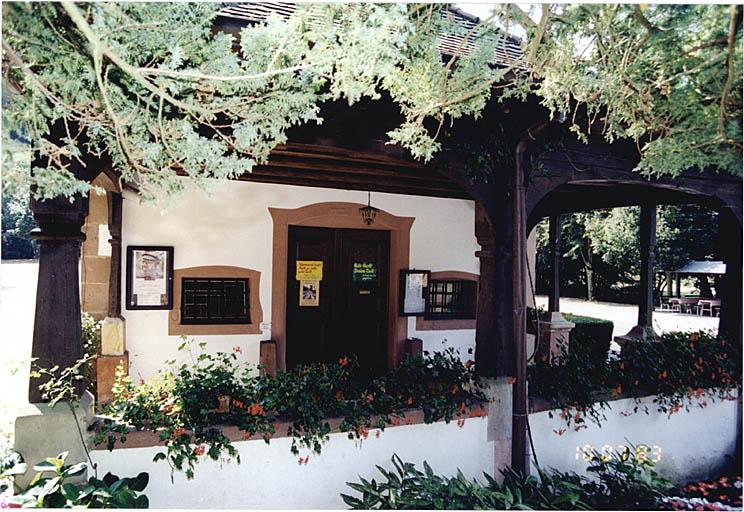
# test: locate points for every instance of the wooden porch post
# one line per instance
(114, 298)
(555, 262)
(554, 328)
(648, 246)
(643, 331)
(493, 345)
(57, 338)
(730, 325)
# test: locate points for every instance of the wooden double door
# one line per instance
(347, 314)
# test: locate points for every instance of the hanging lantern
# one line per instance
(369, 212)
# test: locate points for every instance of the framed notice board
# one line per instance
(413, 291)
(149, 277)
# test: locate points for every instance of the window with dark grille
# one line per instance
(451, 300)
(214, 301)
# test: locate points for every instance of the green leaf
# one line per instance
(47, 465)
(70, 491)
(109, 479)
(139, 483)
(76, 469)
(141, 502)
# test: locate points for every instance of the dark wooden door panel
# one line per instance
(351, 317)
(308, 328)
(364, 288)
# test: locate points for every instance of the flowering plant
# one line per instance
(188, 403)
(682, 370)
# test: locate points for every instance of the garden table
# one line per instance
(684, 304)
(708, 305)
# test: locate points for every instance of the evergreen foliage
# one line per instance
(155, 87)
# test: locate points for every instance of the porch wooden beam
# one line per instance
(340, 183)
(288, 169)
(648, 248)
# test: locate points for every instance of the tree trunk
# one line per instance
(704, 286)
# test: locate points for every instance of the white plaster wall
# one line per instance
(269, 476)
(694, 445)
(233, 227)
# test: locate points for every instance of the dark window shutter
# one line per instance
(214, 301)
(451, 300)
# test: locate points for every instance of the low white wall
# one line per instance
(269, 476)
(694, 445)
(234, 227)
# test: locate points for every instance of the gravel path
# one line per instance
(624, 316)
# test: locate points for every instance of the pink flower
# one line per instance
(237, 349)
(6, 503)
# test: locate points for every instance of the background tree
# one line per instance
(602, 249)
(17, 222)
(16, 217)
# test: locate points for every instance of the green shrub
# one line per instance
(618, 482)
(92, 348)
(590, 336)
(51, 487)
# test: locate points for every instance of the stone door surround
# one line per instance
(338, 215)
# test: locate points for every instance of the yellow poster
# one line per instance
(309, 270)
(309, 292)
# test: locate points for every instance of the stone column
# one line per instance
(113, 348)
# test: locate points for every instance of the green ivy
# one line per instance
(183, 403)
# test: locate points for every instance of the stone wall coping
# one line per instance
(538, 404)
(148, 438)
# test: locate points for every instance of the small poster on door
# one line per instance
(309, 270)
(309, 292)
(363, 272)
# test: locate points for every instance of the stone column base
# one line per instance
(42, 431)
(637, 334)
(267, 357)
(554, 332)
(112, 336)
(414, 347)
(499, 392)
(106, 375)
